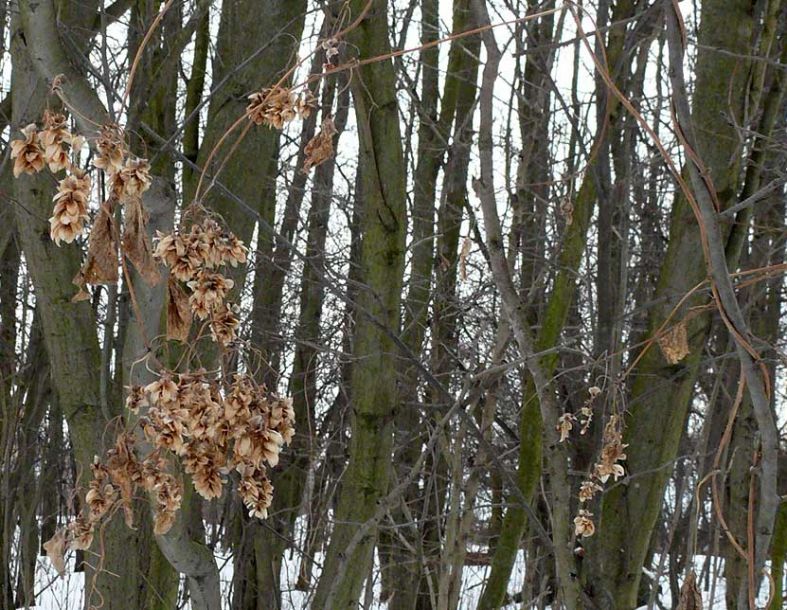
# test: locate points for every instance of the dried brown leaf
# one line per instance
(136, 243)
(178, 312)
(101, 264)
(320, 148)
(463, 258)
(82, 294)
(690, 596)
(55, 549)
(163, 522)
(674, 343)
(567, 211)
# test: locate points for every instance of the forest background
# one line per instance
(406, 304)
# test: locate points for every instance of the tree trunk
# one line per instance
(383, 226)
(291, 480)
(65, 325)
(660, 393)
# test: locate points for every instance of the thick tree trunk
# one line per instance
(66, 325)
(661, 393)
(127, 554)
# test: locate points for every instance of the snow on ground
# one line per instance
(66, 593)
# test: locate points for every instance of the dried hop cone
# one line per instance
(607, 465)
(102, 494)
(205, 465)
(282, 419)
(163, 391)
(28, 153)
(169, 495)
(587, 490)
(111, 149)
(306, 104)
(53, 138)
(70, 213)
(175, 251)
(583, 524)
(220, 247)
(612, 452)
(276, 106)
(256, 491)
(216, 246)
(565, 423)
(136, 399)
(209, 291)
(233, 252)
(224, 325)
(271, 446)
(134, 178)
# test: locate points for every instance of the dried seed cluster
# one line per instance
(612, 452)
(213, 434)
(49, 147)
(52, 148)
(112, 486)
(111, 149)
(128, 178)
(608, 464)
(213, 430)
(193, 258)
(277, 106)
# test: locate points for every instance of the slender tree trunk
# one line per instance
(291, 480)
(552, 322)
(433, 142)
(764, 311)
(383, 226)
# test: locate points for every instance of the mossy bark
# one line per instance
(660, 393)
(69, 331)
(779, 557)
(435, 139)
(383, 225)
